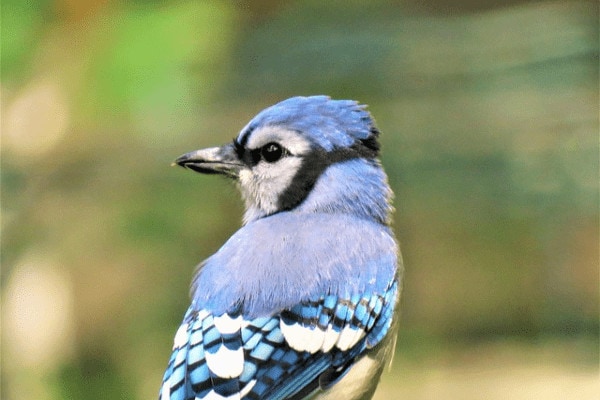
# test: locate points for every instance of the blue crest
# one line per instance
(328, 123)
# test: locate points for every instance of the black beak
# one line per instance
(214, 160)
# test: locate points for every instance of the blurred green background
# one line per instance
(489, 114)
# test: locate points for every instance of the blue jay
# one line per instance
(299, 302)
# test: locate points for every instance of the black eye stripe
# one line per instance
(239, 149)
(270, 152)
(255, 156)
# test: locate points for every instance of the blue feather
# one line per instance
(272, 368)
(307, 288)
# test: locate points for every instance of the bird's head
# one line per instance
(308, 154)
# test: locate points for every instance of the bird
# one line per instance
(302, 301)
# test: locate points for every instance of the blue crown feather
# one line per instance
(329, 123)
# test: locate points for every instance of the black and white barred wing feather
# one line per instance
(285, 356)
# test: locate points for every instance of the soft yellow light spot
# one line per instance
(38, 315)
(36, 119)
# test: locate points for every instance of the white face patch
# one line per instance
(263, 184)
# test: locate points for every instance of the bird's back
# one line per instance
(274, 263)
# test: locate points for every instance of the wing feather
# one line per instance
(286, 356)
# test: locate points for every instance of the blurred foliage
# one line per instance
(490, 139)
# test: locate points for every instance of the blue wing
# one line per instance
(285, 356)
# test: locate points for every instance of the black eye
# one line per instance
(271, 152)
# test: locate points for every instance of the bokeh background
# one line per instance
(489, 114)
